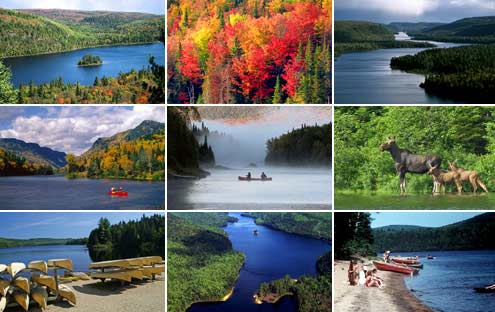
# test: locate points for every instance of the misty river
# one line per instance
(291, 188)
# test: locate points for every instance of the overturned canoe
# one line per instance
(81, 275)
(484, 290)
(61, 263)
(22, 283)
(44, 280)
(3, 303)
(40, 296)
(253, 179)
(38, 266)
(67, 293)
(147, 260)
(21, 298)
(4, 287)
(151, 271)
(405, 260)
(123, 263)
(121, 275)
(384, 266)
(15, 267)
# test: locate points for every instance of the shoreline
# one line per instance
(394, 295)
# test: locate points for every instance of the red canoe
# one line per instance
(253, 179)
(404, 261)
(118, 193)
(383, 266)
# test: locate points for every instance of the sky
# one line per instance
(72, 129)
(145, 6)
(428, 219)
(25, 225)
(386, 11)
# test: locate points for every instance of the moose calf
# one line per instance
(470, 176)
(441, 178)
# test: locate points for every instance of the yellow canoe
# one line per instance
(81, 275)
(150, 271)
(61, 263)
(123, 263)
(4, 286)
(15, 267)
(38, 265)
(121, 275)
(3, 303)
(40, 296)
(148, 260)
(67, 293)
(22, 283)
(21, 298)
(44, 280)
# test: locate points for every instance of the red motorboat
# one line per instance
(392, 267)
(253, 179)
(404, 260)
(118, 193)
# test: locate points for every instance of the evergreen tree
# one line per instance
(277, 95)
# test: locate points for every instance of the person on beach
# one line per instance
(372, 280)
(352, 273)
(386, 256)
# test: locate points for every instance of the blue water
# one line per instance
(77, 253)
(270, 255)
(446, 283)
(116, 59)
(59, 193)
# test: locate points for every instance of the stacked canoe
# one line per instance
(22, 285)
(126, 270)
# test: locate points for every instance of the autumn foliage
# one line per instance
(251, 51)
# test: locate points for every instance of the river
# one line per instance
(291, 188)
(446, 283)
(47, 67)
(366, 78)
(59, 193)
(77, 253)
(270, 255)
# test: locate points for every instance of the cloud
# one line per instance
(150, 6)
(74, 129)
(400, 7)
(486, 4)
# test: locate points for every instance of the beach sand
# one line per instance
(92, 296)
(392, 297)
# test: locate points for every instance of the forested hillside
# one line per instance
(361, 36)
(129, 239)
(411, 28)
(11, 243)
(471, 234)
(312, 224)
(306, 146)
(26, 34)
(465, 73)
(138, 153)
(467, 30)
(212, 219)
(253, 51)
(465, 134)
(34, 153)
(202, 266)
(14, 165)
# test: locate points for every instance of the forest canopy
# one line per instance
(270, 51)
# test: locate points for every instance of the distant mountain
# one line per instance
(90, 17)
(471, 234)
(358, 31)
(412, 27)
(10, 243)
(473, 29)
(34, 153)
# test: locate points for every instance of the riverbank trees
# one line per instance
(13, 165)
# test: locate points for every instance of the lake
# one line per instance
(366, 78)
(47, 67)
(446, 283)
(59, 193)
(384, 201)
(291, 188)
(268, 257)
(77, 253)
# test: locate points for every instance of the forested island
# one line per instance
(137, 154)
(353, 36)
(306, 146)
(464, 134)
(90, 60)
(217, 52)
(128, 239)
(202, 266)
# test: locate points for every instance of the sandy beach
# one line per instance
(393, 297)
(93, 296)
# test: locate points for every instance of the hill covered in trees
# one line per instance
(34, 153)
(306, 146)
(412, 28)
(361, 36)
(467, 30)
(137, 153)
(470, 234)
(311, 224)
(202, 266)
(13, 165)
(465, 134)
(272, 51)
(37, 31)
(128, 239)
(12, 243)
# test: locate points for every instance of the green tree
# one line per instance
(8, 95)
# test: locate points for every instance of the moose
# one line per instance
(442, 178)
(470, 176)
(406, 161)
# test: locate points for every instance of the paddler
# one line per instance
(112, 189)
(263, 176)
(249, 175)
